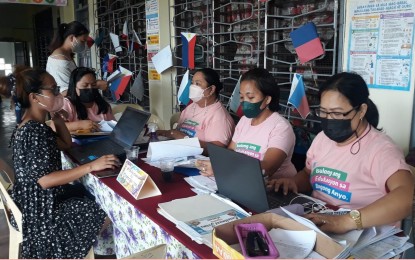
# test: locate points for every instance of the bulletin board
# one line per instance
(379, 42)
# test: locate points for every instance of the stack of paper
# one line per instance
(202, 184)
(375, 242)
(174, 149)
(198, 215)
(107, 126)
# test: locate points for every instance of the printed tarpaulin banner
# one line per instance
(37, 2)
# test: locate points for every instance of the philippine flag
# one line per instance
(297, 96)
(188, 50)
(306, 42)
(234, 101)
(183, 94)
(124, 34)
(118, 86)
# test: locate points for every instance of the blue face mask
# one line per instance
(251, 110)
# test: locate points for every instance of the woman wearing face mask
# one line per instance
(83, 103)
(262, 132)
(205, 118)
(351, 164)
(54, 226)
(69, 39)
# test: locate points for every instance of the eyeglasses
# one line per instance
(335, 115)
(55, 91)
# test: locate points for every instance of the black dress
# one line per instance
(52, 227)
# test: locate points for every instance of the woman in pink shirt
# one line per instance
(84, 104)
(262, 132)
(351, 164)
(206, 118)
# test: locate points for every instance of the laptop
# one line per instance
(122, 136)
(239, 178)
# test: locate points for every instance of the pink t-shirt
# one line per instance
(353, 181)
(274, 132)
(211, 123)
(92, 112)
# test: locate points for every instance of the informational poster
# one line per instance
(153, 36)
(379, 41)
(37, 2)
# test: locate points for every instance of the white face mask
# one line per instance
(78, 47)
(196, 93)
(57, 103)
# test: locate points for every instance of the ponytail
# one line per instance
(64, 30)
(372, 114)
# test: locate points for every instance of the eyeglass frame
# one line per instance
(317, 111)
(55, 91)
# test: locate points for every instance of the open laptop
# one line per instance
(239, 178)
(122, 136)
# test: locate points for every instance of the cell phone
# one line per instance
(256, 244)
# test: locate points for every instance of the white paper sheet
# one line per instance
(202, 182)
(304, 221)
(293, 244)
(173, 148)
(115, 39)
(163, 59)
(107, 126)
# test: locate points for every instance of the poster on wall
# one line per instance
(38, 2)
(380, 42)
(153, 36)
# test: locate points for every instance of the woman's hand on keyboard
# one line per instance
(286, 184)
(105, 162)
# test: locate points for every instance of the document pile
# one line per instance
(374, 242)
(197, 216)
(107, 126)
(174, 149)
(202, 184)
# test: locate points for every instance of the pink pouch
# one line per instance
(242, 231)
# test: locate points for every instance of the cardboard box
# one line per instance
(225, 235)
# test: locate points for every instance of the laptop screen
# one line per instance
(239, 177)
(129, 126)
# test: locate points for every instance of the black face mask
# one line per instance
(338, 130)
(87, 95)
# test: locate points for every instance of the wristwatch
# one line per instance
(355, 215)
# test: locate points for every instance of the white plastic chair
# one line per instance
(15, 236)
(174, 119)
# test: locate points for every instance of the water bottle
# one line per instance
(152, 127)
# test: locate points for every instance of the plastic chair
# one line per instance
(155, 119)
(174, 119)
(119, 108)
(15, 236)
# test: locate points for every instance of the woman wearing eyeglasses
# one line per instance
(83, 102)
(351, 164)
(54, 224)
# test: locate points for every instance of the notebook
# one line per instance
(123, 136)
(239, 178)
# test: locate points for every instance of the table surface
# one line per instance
(176, 189)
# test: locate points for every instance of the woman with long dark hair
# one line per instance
(83, 102)
(351, 164)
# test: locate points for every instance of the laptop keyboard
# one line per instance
(277, 199)
(108, 147)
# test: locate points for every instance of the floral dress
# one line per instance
(54, 225)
